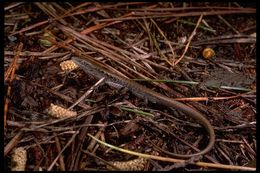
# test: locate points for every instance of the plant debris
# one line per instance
(166, 46)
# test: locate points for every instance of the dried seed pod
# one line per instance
(59, 112)
(68, 65)
(132, 165)
(19, 159)
(208, 53)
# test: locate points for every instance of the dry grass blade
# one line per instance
(147, 156)
(189, 41)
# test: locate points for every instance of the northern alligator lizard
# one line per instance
(99, 70)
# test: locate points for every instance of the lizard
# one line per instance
(99, 70)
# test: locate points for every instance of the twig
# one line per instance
(12, 67)
(11, 70)
(229, 25)
(13, 5)
(12, 143)
(28, 53)
(48, 9)
(163, 15)
(177, 9)
(189, 41)
(29, 27)
(62, 96)
(172, 160)
(202, 27)
(81, 137)
(93, 28)
(61, 158)
(93, 142)
(58, 156)
(88, 92)
(227, 39)
(196, 83)
(239, 126)
(95, 156)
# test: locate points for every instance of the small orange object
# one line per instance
(208, 53)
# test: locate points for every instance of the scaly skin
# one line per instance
(98, 70)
